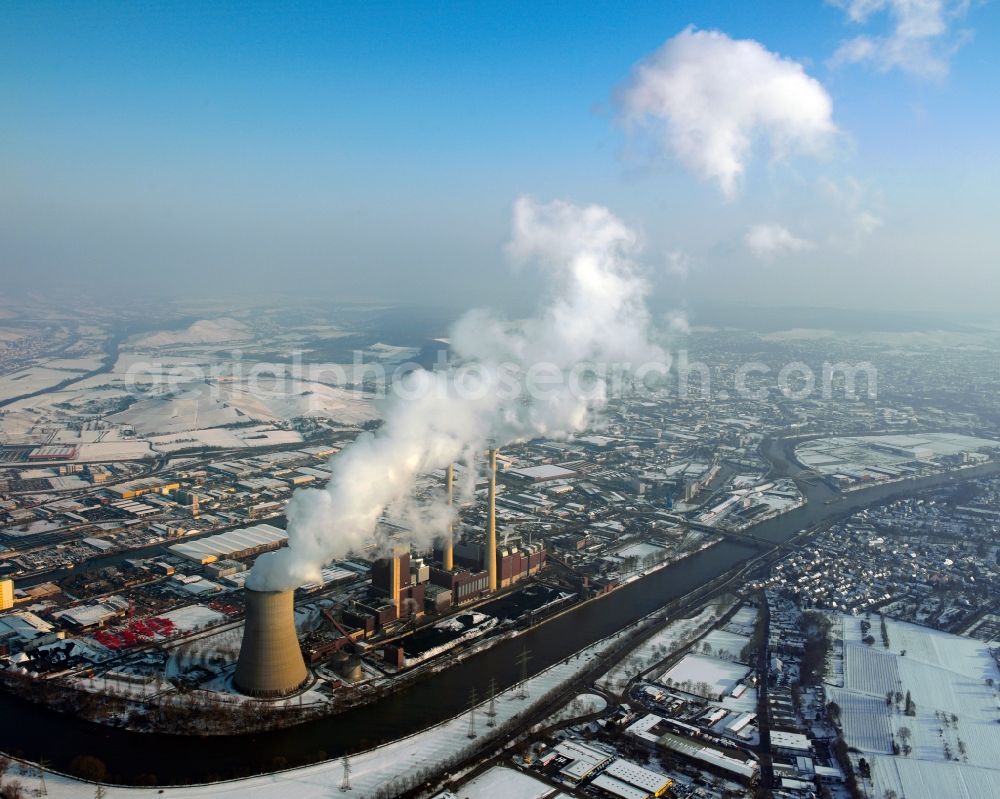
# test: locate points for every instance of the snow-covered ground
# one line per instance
(921, 779)
(742, 621)
(746, 703)
(582, 705)
(694, 672)
(639, 550)
(195, 407)
(953, 735)
(726, 644)
(34, 379)
(114, 451)
(501, 781)
(672, 637)
(204, 331)
(194, 617)
(182, 395)
(225, 438)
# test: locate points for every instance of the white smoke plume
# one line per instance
(513, 381)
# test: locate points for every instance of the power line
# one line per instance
(345, 783)
(522, 688)
(42, 765)
(491, 712)
(472, 714)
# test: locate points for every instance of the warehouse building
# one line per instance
(651, 782)
(241, 544)
(53, 452)
(136, 488)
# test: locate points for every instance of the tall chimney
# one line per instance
(270, 663)
(448, 559)
(394, 579)
(491, 523)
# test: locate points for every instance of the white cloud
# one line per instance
(865, 223)
(679, 264)
(678, 322)
(707, 98)
(855, 220)
(769, 240)
(921, 40)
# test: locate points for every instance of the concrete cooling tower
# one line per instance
(270, 663)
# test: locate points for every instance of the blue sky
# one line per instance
(375, 149)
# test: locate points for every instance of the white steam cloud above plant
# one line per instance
(512, 380)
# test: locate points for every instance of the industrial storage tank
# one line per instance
(271, 663)
(347, 666)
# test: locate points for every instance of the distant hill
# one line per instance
(204, 331)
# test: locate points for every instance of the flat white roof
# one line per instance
(642, 727)
(639, 776)
(707, 754)
(545, 471)
(584, 759)
(790, 740)
(618, 788)
(225, 544)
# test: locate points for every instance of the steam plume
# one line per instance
(512, 381)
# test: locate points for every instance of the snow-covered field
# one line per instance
(672, 637)
(695, 671)
(114, 451)
(639, 550)
(504, 782)
(185, 392)
(726, 644)
(204, 331)
(953, 735)
(921, 779)
(858, 453)
(582, 705)
(226, 438)
(33, 379)
(865, 722)
(743, 621)
(194, 617)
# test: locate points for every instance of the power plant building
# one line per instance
(463, 584)
(514, 562)
(271, 663)
(6, 594)
(393, 578)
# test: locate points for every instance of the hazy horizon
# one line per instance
(375, 153)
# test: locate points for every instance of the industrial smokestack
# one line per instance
(491, 524)
(448, 559)
(395, 577)
(270, 663)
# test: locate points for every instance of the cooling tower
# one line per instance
(270, 663)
